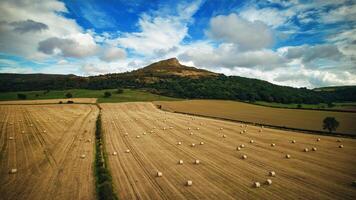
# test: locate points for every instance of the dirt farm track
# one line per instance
(44, 144)
(51, 147)
(152, 137)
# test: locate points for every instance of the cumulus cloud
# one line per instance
(28, 26)
(78, 46)
(311, 53)
(234, 29)
(228, 55)
(113, 53)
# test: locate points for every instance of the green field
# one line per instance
(126, 96)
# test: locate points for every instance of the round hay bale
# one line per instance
(257, 184)
(11, 138)
(22, 131)
(88, 140)
(306, 150)
(180, 162)
(127, 151)
(272, 173)
(260, 130)
(224, 136)
(338, 140)
(341, 146)
(82, 156)
(221, 128)
(201, 143)
(314, 149)
(198, 128)
(138, 136)
(179, 143)
(144, 133)
(251, 141)
(114, 153)
(245, 131)
(159, 174)
(197, 162)
(244, 157)
(189, 183)
(293, 141)
(268, 182)
(126, 134)
(318, 139)
(13, 171)
(288, 156)
(241, 132)
(242, 146)
(189, 128)
(191, 133)
(238, 148)
(273, 144)
(192, 145)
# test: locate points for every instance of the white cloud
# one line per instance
(227, 55)
(159, 34)
(234, 29)
(113, 53)
(270, 16)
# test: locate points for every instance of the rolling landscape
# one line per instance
(116, 100)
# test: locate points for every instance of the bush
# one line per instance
(119, 90)
(107, 94)
(330, 123)
(60, 102)
(70, 102)
(21, 96)
(69, 95)
(106, 191)
(299, 106)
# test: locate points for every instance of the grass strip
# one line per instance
(103, 179)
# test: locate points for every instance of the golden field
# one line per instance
(291, 118)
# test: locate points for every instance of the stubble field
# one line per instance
(152, 137)
(44, 144)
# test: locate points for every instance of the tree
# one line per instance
(330, 123)
(299, 106)
(119, 90)
(22, 96)
(107, 94)
(69, 95)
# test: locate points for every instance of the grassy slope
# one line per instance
(127, 95)
(290, 118)
(338, 106)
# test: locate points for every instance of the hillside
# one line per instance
(170, 78)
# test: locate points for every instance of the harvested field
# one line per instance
(290, 118)
(327, 173)
(49, 101)
(46, 151)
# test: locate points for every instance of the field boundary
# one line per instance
(336, 134)
(103, 178)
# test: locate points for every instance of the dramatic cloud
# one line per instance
(79, 46)
(28, 26)
(310, 53)
(234, 29)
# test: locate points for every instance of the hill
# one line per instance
(170, 78)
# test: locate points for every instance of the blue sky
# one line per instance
(300, 43)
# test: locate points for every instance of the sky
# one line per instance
(299, 43)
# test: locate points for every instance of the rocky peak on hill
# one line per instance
(173, 67)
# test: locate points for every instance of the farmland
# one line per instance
(47, 151)
(141, 141)
(291, 118)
